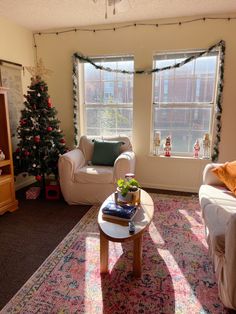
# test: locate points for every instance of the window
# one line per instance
(108, 98)
(184, 99)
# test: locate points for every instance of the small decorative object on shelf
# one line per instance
(156, 143)
(2, 156)
(128, 190)
(206, 146)
(167, 147)
(196, 149)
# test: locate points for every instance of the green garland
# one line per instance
(75, 77)
(218, 110)
(86, 59)
(221, 45)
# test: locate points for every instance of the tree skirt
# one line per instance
(177, 272)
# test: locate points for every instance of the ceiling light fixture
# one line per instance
(109, 3)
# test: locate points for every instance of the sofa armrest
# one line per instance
(125, 163)
(69, 163)
(209, 177)
(228, 278)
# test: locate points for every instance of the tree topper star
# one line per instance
(39, 70)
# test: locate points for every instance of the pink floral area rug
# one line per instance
(177, 272)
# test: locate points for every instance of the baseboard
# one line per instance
(169, 187)
(23, 182)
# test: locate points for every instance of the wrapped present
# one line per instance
(33, 193)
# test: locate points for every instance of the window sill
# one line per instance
(181, 157)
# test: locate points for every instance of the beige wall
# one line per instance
(16, 45)
(158, 172)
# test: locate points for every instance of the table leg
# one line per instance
(104, 245)
(137, 262)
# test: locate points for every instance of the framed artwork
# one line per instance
(11, 77)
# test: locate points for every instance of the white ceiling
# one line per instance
(50, 14)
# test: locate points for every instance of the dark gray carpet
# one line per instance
(28, 236)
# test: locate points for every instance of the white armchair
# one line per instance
(84, 183)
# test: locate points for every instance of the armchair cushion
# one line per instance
(105, 152)
(86, 145)
(91, 174)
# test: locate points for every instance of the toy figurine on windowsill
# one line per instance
(167, 147)
(206, 146)
(196, 149)
(156, 143)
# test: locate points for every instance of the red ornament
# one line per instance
(17, 150)
(62, 141)
(22, 122)
(49, 103)
(49, 129)
(37, 139)
(38, 177)
(27, 153)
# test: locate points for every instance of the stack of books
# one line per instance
(115, 212)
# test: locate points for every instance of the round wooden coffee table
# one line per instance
(115, 232)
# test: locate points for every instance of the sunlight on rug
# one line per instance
(177, 272)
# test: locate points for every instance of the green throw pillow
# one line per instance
(105, 152)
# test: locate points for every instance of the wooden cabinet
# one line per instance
(8, 201)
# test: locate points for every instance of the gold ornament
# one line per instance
(39, 71)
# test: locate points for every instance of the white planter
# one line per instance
(132, 197)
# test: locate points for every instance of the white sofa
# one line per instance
(83, 183)
(218, 206)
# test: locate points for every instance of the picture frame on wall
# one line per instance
(11, 77)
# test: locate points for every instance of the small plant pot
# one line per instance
(132, 197)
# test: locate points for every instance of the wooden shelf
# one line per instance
(8, 201)
(5, 177)
(5, 162)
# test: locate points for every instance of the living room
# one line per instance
(55, 32)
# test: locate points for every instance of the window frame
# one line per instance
(117, 105)
(211, 105)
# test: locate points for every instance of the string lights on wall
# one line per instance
(154, 25)
(135, 25)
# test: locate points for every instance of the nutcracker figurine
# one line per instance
(196, 149)
(167, 147)
(156, 143)
(206, 146)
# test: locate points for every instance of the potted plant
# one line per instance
(128, 191)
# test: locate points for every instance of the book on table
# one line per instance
(117, 212)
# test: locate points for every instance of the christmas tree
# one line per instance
(41, 140)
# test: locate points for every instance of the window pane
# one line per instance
(93, 92)
(183, 99)
(108, 99)
(124, 91)
(124, 118)
(185, 125)
(108, 89)
(91, 73)
(108, 76)
(108, 121)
